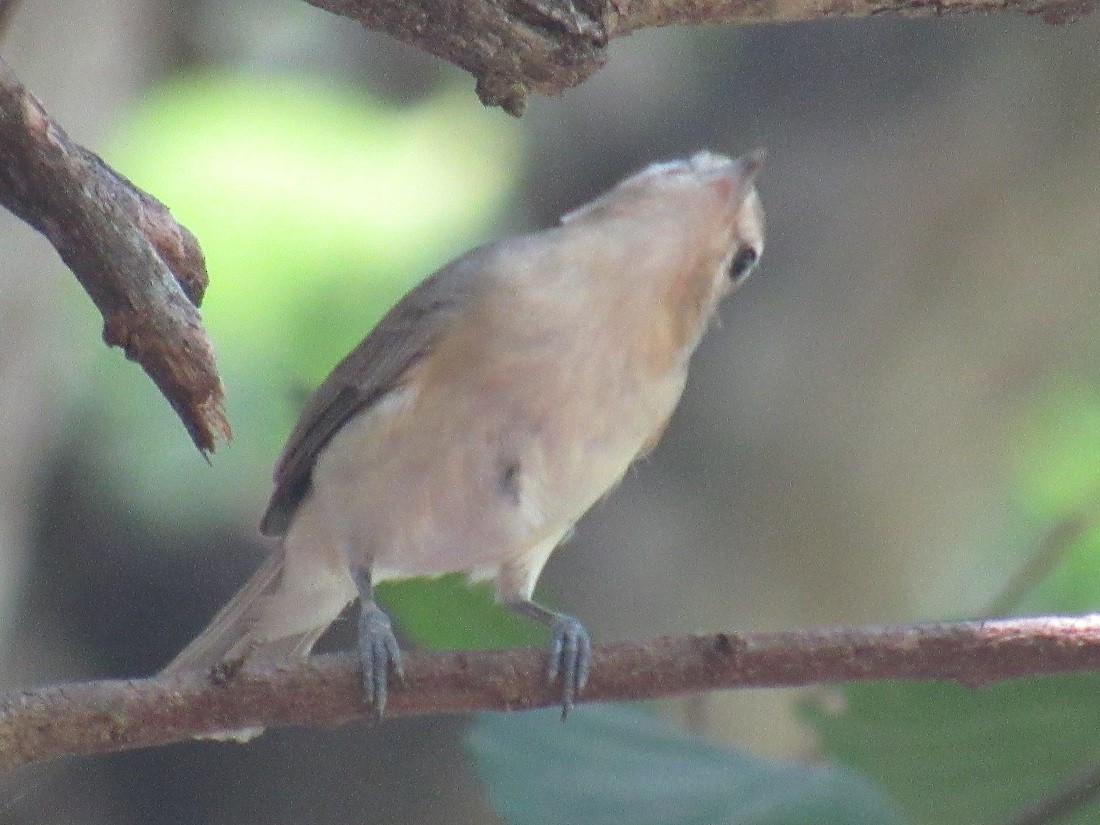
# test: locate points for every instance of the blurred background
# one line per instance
(892, 417)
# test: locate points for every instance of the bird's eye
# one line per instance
(742, 263)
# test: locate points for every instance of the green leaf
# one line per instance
(621, 764)
(1058, 477)
(1059, 458)
(948, 754)
(1073, 586)
(450, 613)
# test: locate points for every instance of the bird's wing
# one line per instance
(377, 365)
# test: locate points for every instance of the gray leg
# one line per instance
(378, 647)
(570, 649)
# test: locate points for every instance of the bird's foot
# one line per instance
(380, 654)
(571, 657)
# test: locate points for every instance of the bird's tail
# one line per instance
(277, 614)
(228, 635)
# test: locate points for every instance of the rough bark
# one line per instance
(144, 271)
(99, 717)
(514, 47)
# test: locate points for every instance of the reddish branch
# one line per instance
(513, 47)
(98, 717)
(144, 271)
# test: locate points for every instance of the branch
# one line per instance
(6, 9)
(513, 47)
(101, 717)
(1078, 791)
(143, 270)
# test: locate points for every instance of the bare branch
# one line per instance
(513, 47)
(6, 9)
(144, 271)
(1080, 790)
(1051, 550)
(100, 717)
(510, 47)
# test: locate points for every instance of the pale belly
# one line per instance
(428, 482)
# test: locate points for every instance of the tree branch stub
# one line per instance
(515, 47)
(144, 271)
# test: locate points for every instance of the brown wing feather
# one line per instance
(403, 336)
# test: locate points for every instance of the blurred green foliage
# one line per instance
(317, 207)
(1059, 481)
(1058, 470)
(621, 764)
(947, 754)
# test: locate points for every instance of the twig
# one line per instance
(6, 9)
(1051, 550)
(513, 47)
(1083, 786)
(1079, 790)
(143, 270)
(100, 717)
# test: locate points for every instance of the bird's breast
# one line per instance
(483, 453)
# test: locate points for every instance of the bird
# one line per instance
(489, 410)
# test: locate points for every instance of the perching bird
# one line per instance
(488, 410)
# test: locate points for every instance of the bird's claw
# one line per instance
(571, 657)
(381, 656)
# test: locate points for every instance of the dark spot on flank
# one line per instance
(508, 482)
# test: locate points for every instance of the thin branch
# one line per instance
(100, 717)
(1083, 786)
(513, 47)
(1058, 539)
(1078, 791)
(142, 269)
(1051, 550)
(7, 7)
